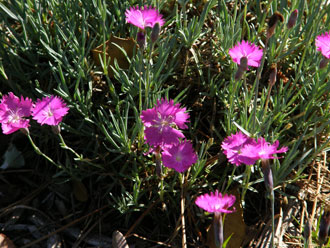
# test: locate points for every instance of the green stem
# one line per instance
(231, 102)
(140, 83)
(64, 146)
(257, 86)
(148, 74)
(39, 152)
(247, 175)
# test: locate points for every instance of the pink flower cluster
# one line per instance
(241, 149)
(14, 112)
(162, 124)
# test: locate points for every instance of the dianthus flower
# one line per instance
(12, 113)
(322, 43)
(49, 110)
(179, 157)
(160, 123)
(234, 145)
(142, 18)
(216, 202)
(263, 149)
(247, 50)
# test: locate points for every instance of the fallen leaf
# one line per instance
(112, 52)
(5, 242)
(80, 191)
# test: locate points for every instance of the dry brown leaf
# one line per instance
(112, 52)
(233, 225)
(5, 242)
(80, 191)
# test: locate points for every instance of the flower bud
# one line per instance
(155, 33)
(268, 174)
(272, 75)
(324, 63)
(141, 40)
(292, 19)
(277, 16)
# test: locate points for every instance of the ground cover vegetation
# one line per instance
(123, 120)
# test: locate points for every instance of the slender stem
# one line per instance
(148, 74)
(64, 146)
(183, 223)
(231, 101)
(272, 201)
(39, 152)
(257, 85)
(247, 176)
(218, 229)
(140, 81)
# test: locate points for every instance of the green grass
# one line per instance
(46, 48)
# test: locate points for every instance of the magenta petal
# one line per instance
(216, 202)
(322, 43)
(233, 147)
(248, 50)
(161, 122)
(144, 17)
(156, 136)
(49, 110)
(13, 113)
(179, 157)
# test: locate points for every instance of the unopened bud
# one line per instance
(292, 19)
(272, 75)
(268, 174)
(141, 40)
(324, 63)
(155, 33)
(277, 16)
(324, 227)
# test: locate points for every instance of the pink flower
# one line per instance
(216, 202)
(245, 49)
(142, 18)
(12, 113)
(49, 110)
(234, 145)
(322, 43)
(265, 150)
(160, 123)
(179, 157)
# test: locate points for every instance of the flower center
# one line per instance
(13, 116)
(178, 158)
(49, 113)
